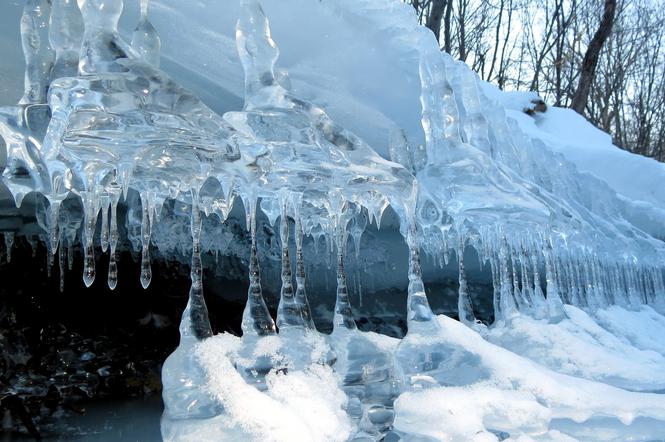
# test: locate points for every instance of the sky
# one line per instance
(11, 60)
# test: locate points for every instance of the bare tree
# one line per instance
(591, 57)
(437, 8)
(616, 77)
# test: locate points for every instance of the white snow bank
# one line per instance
(298, 406)
(578, 346)
(521, 398)
(591, 150)
(644, 328)
(465, 413)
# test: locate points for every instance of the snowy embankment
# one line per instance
(554, 386)
(637, 180)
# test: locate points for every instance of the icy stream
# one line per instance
(101, 126)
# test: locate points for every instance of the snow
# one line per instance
(641, 328)
(632, 176)
(521, 398)
(299, 406)
(578, 346)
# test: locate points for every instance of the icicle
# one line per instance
(104, 239)
(639, 278)
(89, 222)
(49, 263)
(61, 263)
(359, 286)
(464, 305)
(526, 284)
(146, 269)
(592, 299)
(619, 292)
(288, 313)
(356, 229)
(9, 245)
(70, 256)
(65, 33)
(34, 243)
(560, 272)
(649, 286)
(537, 305)
(420, 318)
(601, 286)
(496, 287)
(112, 279)
(554, 303)
(538, 296)
(572, 278)
(522, 303)
(633, 291)
(53, 231)
(301, 294)
(195, 322)
(145, 39)
(53, 217)
(37, 51)
(659, 282)
(507, 301)
(255, 318)
(343, 316)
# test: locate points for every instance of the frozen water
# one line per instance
(577, 270)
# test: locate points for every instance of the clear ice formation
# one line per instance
(100, 121)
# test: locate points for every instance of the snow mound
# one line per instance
(578, 346)
(302, 405)
(524, 399)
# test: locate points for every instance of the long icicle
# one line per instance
(53, 235)
(343, 316)
(256, 318)
(62, 261)
(507, 300)
(112, 279)
(538, 295)
(554, 303)
(195, 321)
(104, 235)
(89, 220)
(464, 305)
(288, 314)
(301, 293)
(146, 269)
(420, 318)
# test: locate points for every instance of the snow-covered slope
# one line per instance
(637, 180)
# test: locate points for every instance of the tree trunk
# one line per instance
(446, 27)
(435, 15)
(591, 57)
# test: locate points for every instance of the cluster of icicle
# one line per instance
(290, 159)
